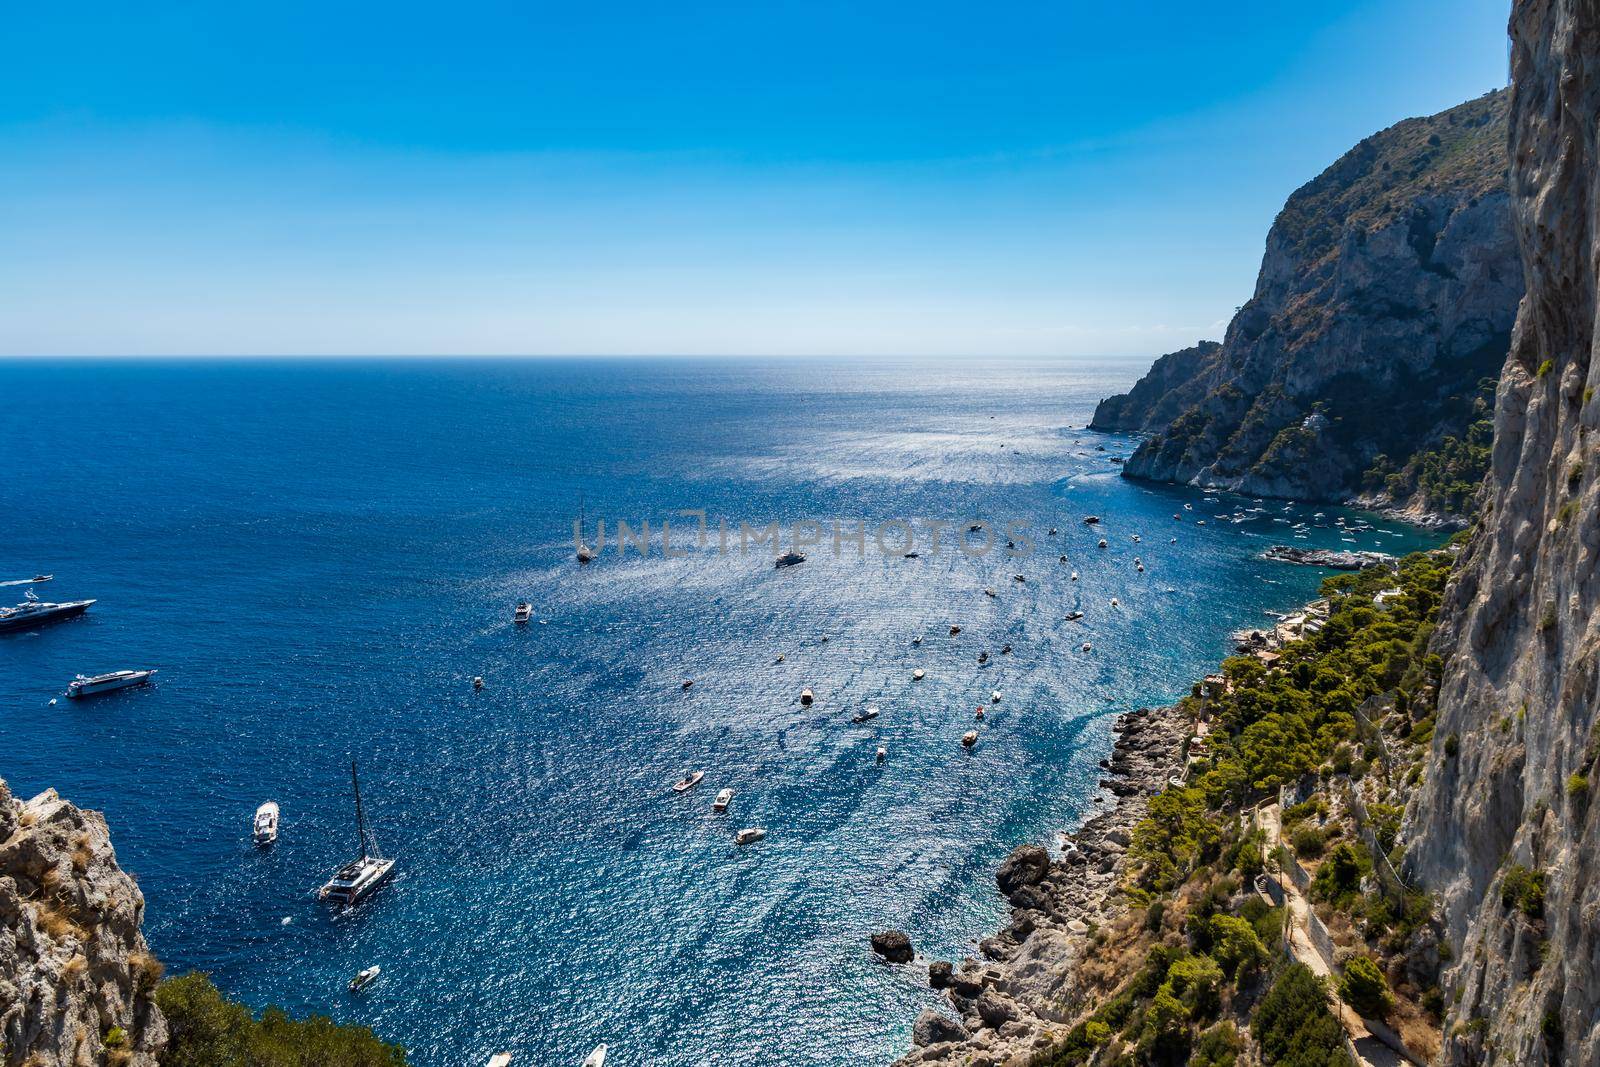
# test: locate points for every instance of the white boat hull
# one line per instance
(86, 687)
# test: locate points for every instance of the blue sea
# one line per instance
(320, 556)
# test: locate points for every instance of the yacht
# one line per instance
(788, 559)
(365, 978)
(724, 798)
(806, 697)
(597, 1058)
(361, 877)
(86, 686)
(265, 826)
(524, 612)
(35, 612)
(749, 835)
(865, 716)
(688, 781)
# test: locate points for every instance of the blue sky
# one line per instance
(527, 178)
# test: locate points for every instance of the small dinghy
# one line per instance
(806, 697)
(918, 674)
(477, 682)
(1074, 573)
(597, 1058)
(688, 781)
(954, 630)
(983, 657)
(979, 715)
(722, 801)
(365, 978)
(1005, 650)
(779, 659)
(1019, 578)
(969, 738)
(865, 716)
(749, 835)
(264, 828)
(1135, 538)
(1115, 603)
(688, 683)
(500, 1059)
(916, 640)
(1087, 647)
(988, 592)
(1063, 559)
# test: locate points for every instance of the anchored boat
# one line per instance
(361, 877)
(86, 686)
(35, 612)
(264, 828)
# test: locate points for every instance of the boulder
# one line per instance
(931, 1028)
(1027, 865)
(939, 974)
(893, 945)
(995, 1009)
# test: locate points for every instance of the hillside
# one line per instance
(1385, 299)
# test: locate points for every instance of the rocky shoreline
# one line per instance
(1017, 995)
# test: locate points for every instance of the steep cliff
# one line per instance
(1386, 293)
(76, 978)
(1505, 828)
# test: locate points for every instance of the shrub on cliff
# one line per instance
(1363, 987)
(208, 1030)
(1294, 1026)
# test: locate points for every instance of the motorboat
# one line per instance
(954, 630)
(983, 657)
(865, 716)
(477, 682)
(969, 738)
(524, 612)
(1074, 616)
(979, 715)
(1087, 647)
(1115, 602)
(85, 686)
(994, 696)
(264, 828)
(1102, 543)
(688, 683)
(724, 798)
(749, 835)
(688, 781)
(883, 753)
(1074, 575)
(500, 1059)
(918, 674)
(806, 697)
(788, 559)
(988, 592)
(597, 1058)
(362, 876)
(365, 978)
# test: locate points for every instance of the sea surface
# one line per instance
(319, 558)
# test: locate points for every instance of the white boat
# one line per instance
(994, 696)
(806, 697)
(1102, 543)
(865, 716)
(749, 835)
(361, 877)
(722, 801)
(477, 682)
(969, 738)
(86, 686)
(524, 612)
(883, 753)
(365, 978)
(1074, 575)
(1114, 603)
(500, 1059)
(688, 781)
(918, 674)
(597, 1058)
(265, 825)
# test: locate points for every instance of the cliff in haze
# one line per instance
(76, 977)
(1385, 298)
(1506, 828)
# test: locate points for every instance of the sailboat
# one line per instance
(585, 553)
(361, 877)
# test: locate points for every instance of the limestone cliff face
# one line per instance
(1520, 629)
(76, 977)
(1387, 290)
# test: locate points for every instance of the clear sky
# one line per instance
(1021, 178)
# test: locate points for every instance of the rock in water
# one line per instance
(1027, 865)
(893, 945)
(1388, 289)
(73, 964)
(939, 972)
(931, 1028)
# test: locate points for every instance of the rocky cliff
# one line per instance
(76, 978)
(1386, 293)
(1506, 828)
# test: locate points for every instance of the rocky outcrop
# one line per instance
(1024, 982)
(76, 978)
(893, 945)
(1387, 291)
(1512, 776)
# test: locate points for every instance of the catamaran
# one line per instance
(361, 877)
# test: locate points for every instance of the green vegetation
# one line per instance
(1524, 889)
(1363, 987)
(1578, 786)
(1294, 1025)
(1447, 474)
(208, 1030)
(1546, 367)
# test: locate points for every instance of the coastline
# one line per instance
(1019, 993)
(1025, 987)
